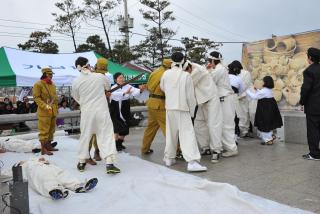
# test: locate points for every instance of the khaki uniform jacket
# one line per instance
(45, 94)
(153, 87)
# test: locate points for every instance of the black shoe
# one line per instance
(54, 144)
(56, 194)
(309, 157)
(65, 194)
(111, 169)
(81, 166)
(88, 186)
(179, 155)
(36, 150)
(118, 145)
(206, 152)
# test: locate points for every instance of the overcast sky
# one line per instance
(227, 20)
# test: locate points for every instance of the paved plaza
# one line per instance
(275, 172)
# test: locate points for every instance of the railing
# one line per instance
(16, 118)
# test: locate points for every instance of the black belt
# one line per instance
(157, 96)
(222, 99)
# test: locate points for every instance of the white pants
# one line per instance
(201, 130)
(18, 145)
(242, 112)
(43, 178)
(228, 126)
(179, 126)
(99, 123)
(249, 110)
(211, 125)
(265, 136)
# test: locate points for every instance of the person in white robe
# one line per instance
(245, 103)
(238, 88)
(209, 109)
(89, 90)
(220, 76)
(51, 181)
(180, 108)
(21, 146)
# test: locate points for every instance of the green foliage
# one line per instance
(67, 23)
(122, 54)
(196, 48)
(99, 10)
(94, 43)
(156, 45)
(39, 42)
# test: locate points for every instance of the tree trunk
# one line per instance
(160, 32)
(107, 35)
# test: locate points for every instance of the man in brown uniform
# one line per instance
(156, 107)
(44, 94)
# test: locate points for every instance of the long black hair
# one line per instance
(268, 82)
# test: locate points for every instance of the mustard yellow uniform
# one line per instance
(156, 107)
(45, 96)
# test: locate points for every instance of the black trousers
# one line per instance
(313, 134)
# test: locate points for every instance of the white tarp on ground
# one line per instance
(143, 187)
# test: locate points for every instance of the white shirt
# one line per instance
(246, 80)
(178, 88)
(205, 88)
(260, 94)
(236, 82)
(220, 76)
(88, 89)
(118, 94)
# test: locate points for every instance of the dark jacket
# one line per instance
(310, 90)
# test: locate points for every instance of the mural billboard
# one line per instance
(284, 58)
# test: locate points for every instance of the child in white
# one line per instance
(267, 116)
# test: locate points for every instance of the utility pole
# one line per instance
(125, 23)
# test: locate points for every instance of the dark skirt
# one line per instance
(268, 116)
(120, 126)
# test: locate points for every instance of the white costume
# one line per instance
(247, 105)
(88, 89)
(209, 109)
(43, 177)
(180, 107)
(19, 145)
(221, 78)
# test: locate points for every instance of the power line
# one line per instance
(180, 40)
(204, 20)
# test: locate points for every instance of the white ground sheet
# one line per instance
(143, 187)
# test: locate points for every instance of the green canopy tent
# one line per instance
(23, 68)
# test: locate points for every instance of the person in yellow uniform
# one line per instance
(44, 94)
(156, 107)
(102, 68)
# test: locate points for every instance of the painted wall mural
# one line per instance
(284, 58)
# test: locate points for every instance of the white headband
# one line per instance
(215, 58)
(177, 63)
(79, 68)
(185, 65)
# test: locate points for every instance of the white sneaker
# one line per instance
(229, 153)
(169, 161)
(194, 166)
